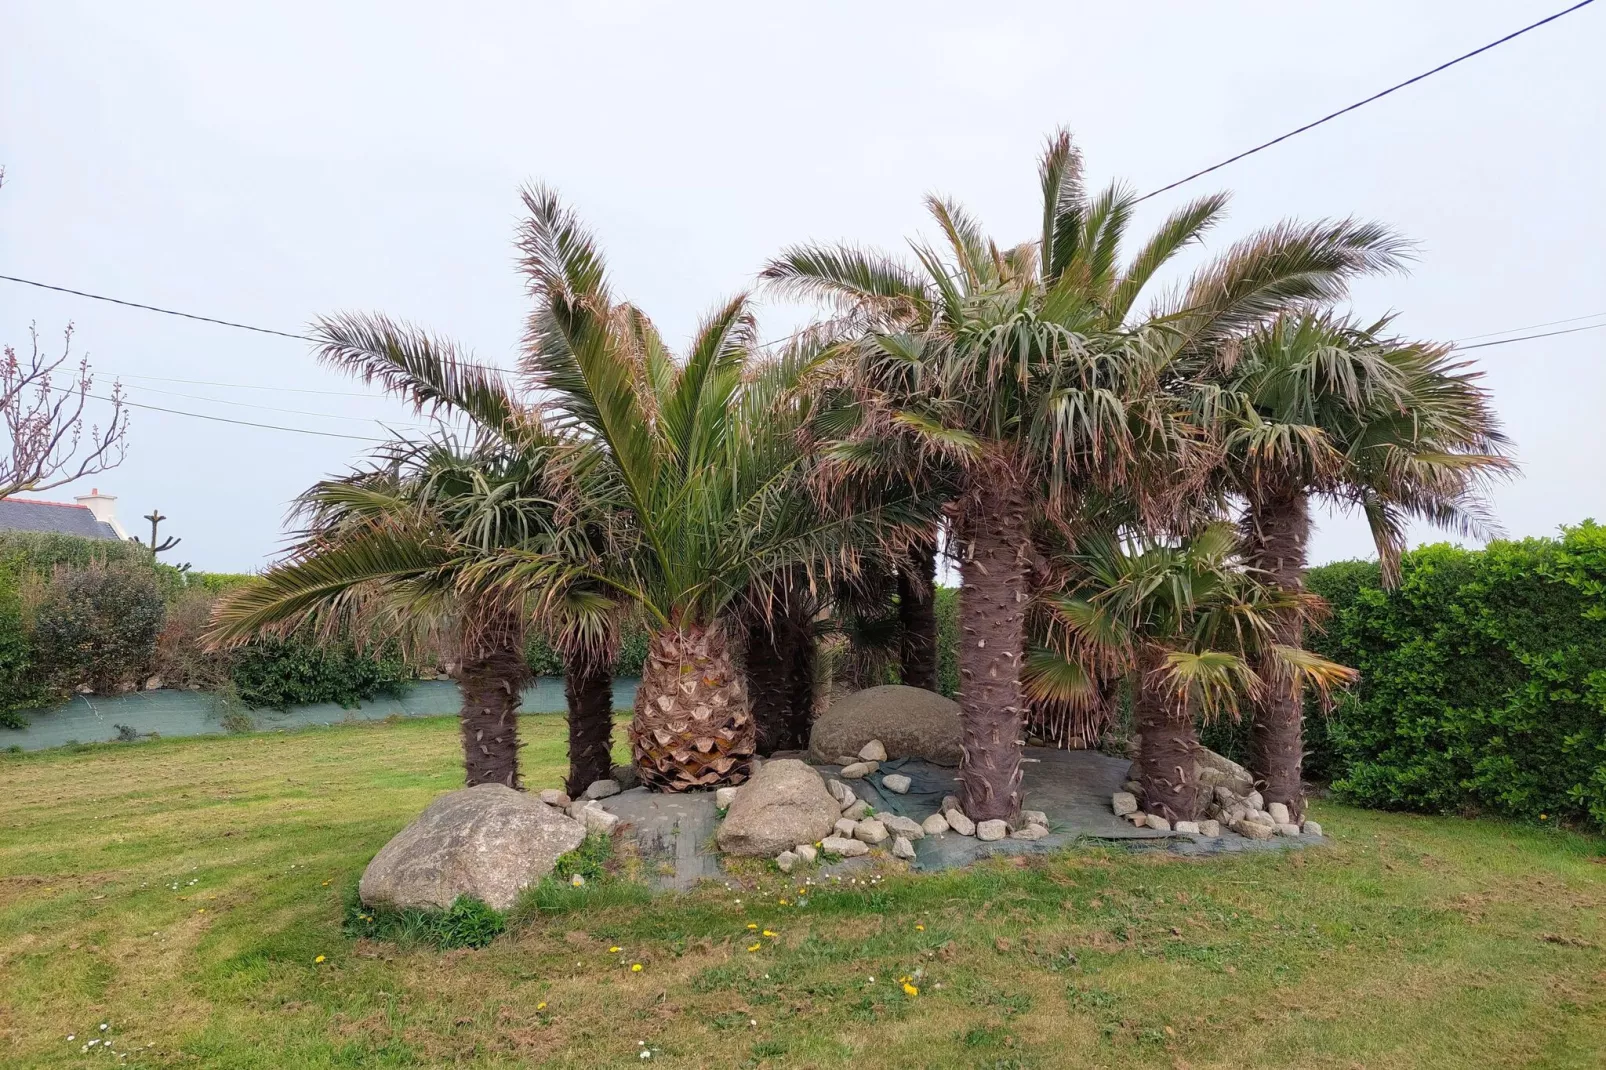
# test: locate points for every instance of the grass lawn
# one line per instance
(182, 892)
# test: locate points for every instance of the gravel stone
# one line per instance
(554, 797)
(846, 848)
(1158, 823)
(871, 831)
(1191, 827)
(1278, 812)
(1123, 803)
(806, 852)
(873, 751)
(1312, 829)
(601, 789)
(902, 848)
(1029, 832)
(896, 783)
(960, 823)
(845, 826)
(936, 825)
(992, 830)
(858, 770)
(786, 860)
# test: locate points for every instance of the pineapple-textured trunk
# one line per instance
(693, 727)
(588, 692)
(992, 635)
(917, 615)
(1279, 533)
(1168, 757)
(490, 681)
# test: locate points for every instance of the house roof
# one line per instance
(23, 514)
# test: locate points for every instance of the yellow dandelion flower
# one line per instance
(613, 951)
(753, 947)
(635, 967)
(920, 928)
(910, 990)
(766, 932)
(317, 960)
(750, 925)
(325, 884)
(541, 1006)
(784, 903)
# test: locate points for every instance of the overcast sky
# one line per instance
(270, 162)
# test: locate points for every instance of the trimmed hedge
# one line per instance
(1483, 680)
(281, 673)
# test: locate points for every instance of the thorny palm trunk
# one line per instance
(917, 616)
(992, 636)
(693, 727)
(490, 679)
(1168, 756)
(1279, 532)
(780, 680)
(588, 691)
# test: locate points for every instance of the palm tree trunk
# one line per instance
(1170, 744)
(917, 615)
(992, 638)
(693, 726)
(768, 669)
(800, 685)
(1279, 534)
(490, 681)
(588, 692)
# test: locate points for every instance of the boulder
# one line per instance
(873, 751)
(1278, 812)
(936, 825)
(1123, 803)
(1211, 770)
(785, 803)
(1312, 829)
(1254, 830)
(487, 841)
(908, 722)
(844, 847)
(626, 777)
(870, 831)
(1210, 828)
(897, 783)
(601, 789)
(902, 848)
(992, 830)
(960, 823)
(554, 797)
(903, 826)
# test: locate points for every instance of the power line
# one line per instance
(275, 408)
(1531, 326)
(1368, 100)
(163, 311)
(255, 386)
(222, 419)
(1527, 337)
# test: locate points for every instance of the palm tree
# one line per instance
(395, 541)
(1020, 378)
(696, 466)
(1315, 406)
(1189, 624)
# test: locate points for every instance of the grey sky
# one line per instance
(269, 163)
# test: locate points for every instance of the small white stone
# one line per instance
(845, 759)
(1278, 812)
(844, 826)
(1029, 832)
(785, 861)
(1255, 801)
(1123, 803)
(1137, 817)
(992, 830)
(601, 789)
(806, 852)
(1287, 829)
(1312, 829)
(873, 751)
(902, 848)
(1254, 830)
(896, 783)
(1034, 817)
(1158, 823)
(870, 831)
(858, 770)
(1191, 827)
(960, 823)
(554, 797)
(841, 792)
(935, 825)
(858, 811)
(846, 848)
(723, 797)
(1210, 828)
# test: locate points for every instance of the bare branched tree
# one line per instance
(48, 442)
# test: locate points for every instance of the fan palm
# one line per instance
(698, 465)
(1193, 628)
(1315, 406)
(392, 544)
(1019, 380)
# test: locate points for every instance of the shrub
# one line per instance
(20, 686)
(181, 658)
(98, 625)
(1483, 679)
(281, 673)
(544, 661)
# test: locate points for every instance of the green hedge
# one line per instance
(281, 673)
(1483, 680)
(544, 661)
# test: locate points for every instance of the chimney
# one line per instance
(104, 509)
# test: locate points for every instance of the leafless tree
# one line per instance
(43, 410)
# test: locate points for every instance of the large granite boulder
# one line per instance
(784, 804)
(910, 722)
(488, 841)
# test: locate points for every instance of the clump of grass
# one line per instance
(468, 922)
(589, 860)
